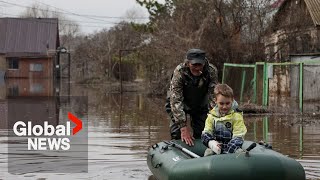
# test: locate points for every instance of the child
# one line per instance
(224, 128)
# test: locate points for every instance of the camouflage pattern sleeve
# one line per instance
(213, 75)
(176, 97)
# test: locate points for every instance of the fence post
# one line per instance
(301, 139)
(255, 84)
(301, 87)
(242, 84)
(265, 85)
(255, 130)
(223, 71)
(265, 129)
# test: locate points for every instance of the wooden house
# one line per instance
(27, 47)
(295, 30)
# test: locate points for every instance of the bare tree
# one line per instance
(98, 54)
(68, 29)
(135, 15)
(230, 31)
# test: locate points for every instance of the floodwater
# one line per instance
(121, 128)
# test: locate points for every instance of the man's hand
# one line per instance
(186, 136)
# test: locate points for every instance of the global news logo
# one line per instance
(46, 136)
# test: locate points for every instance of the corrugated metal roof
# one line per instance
(28, 35)
(25, 54)
(314, 9)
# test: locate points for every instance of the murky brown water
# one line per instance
(122, 128)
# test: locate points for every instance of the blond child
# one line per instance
(224, 128)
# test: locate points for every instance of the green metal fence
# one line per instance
(254, 82)
(246, 86)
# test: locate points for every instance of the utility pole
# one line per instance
(63, 50)
(120, 73)
(120, 76)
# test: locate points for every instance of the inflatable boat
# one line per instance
(174, 160)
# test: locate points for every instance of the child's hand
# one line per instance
(215, 146)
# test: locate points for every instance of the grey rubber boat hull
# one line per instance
(170, 163)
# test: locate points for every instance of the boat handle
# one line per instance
(266, 145)
(155, 146)
(164, 148)
(157, 165)
(253, 145)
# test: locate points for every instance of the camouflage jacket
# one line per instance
(179, 86)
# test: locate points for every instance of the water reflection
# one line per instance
(128, 113)
(36, 101)
(297, 137)
(143, 123)
(288, 105)
(122, 128)
(284, 132)
(29, 87)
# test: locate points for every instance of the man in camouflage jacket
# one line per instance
(191, 94)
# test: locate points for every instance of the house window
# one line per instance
(36, 67)
(306, 43)
(13, 91)
(293, 45)
(13, 63)
(36, 88)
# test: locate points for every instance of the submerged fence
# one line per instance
(290, 84)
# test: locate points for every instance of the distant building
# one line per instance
(294, 35)
(27, 47)
(295, 30)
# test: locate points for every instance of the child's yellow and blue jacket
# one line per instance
(228, 130)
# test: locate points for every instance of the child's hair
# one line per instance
(224, 90)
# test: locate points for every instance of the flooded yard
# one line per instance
(121, 128)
